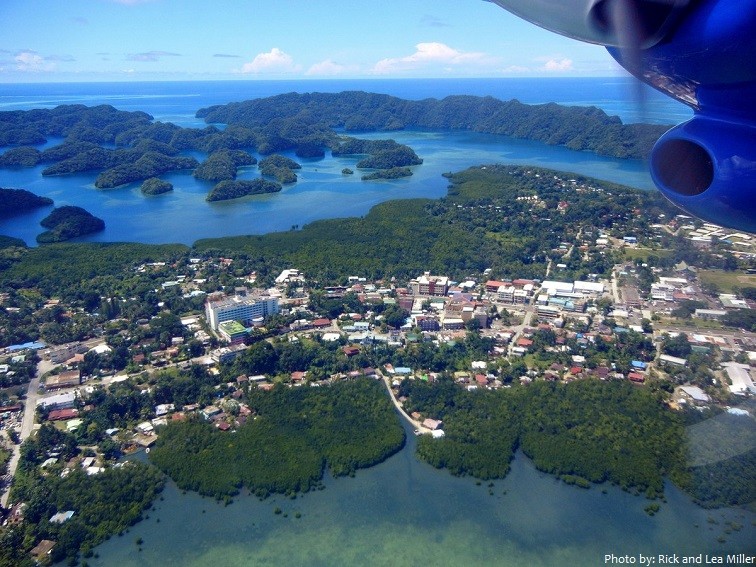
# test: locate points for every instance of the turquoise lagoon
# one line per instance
(404, 512)
(321, 192)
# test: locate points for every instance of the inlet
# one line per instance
(683, 167)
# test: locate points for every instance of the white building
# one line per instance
(237, 308)
(740, 378)
(430, 285)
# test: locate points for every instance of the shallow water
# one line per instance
(404, 512)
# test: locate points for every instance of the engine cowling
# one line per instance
(707, 167)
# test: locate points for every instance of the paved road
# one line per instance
(397, 404)
(520, 328)
(27, 424)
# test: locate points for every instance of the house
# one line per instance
(61, 517)
(350, 351)
(673, 360)
(61, 414)
(636, 377)
(433, 424)
(210, 412)
(695, 394)
(42, 550)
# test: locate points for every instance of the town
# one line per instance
(216, 328)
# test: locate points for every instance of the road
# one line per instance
(520, 328)
(397, 404)
(27, 425)
(615, 290)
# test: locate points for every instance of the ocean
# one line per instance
(184, 216)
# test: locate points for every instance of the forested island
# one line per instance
(67, 222)
(226, 190)
(280, 167)
(316, 114)
(222, 165)
(156, 186)
(392, 173)
(20, 201)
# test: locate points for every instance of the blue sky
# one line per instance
(112, 40)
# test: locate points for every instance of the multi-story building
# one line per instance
(245, 309)
(430, 285)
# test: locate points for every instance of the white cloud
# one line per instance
(330, 68)
(32, 61)
(428, 55)
(274, 61)
(558, 65)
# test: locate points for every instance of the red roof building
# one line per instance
(60, 414)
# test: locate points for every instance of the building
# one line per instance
(69, 379)
(57, 401)
(429, 285)
(236, 308)
(740, 379)
(673, 360)
(710, 314)
(232, 332)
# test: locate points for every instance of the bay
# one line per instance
(404, 512)
(322, 191)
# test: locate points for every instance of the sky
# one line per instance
(142, 40)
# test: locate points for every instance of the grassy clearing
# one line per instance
(644, 253)
(726, 281)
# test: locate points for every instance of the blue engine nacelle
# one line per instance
(708, 168)
(700, 52)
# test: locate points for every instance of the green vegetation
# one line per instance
(97, 124)
(104, 505)
(726, 281)
(297, 433)
(222, 164)
(741, 319)
(59, 267)
(280, 167)
(10, 242)
(19, 201)
(226, 190)
(393, 173)
(480, 225)
(67, 222)
(382, 154)
(391, 159)
(150, 164)
(156, 186)
(583, 431)
(25, 156)
(296, 117)
(722, 455)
